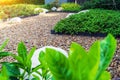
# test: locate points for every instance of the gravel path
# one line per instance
(36, 31)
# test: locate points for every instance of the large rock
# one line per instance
(53, 8)
(14, 20)
(59, 9)
(83, 11)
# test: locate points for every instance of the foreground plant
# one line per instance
(82, 64)
(54, 65)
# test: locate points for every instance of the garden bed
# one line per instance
(36, 31)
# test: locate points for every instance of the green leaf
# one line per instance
(18, 58)
(22, 51)
(78, 60)
(107, 50)
(29, 56)
(35, 77)
(4, 74)
(13, 71)
(93, 60)
(4, 44)
(4, 54)
(58, 64)
(36, 68)
(105, 76)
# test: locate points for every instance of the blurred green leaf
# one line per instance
(4, 44)
(22, 51)
(13, 71)
(107, 49)
(58, 64)
(4, 54)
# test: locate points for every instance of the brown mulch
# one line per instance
(35, 31)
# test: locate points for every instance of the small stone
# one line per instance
(59, 9)
(15, 20)
(53, 8)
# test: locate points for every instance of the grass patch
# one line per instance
(8, 11)
(94, 21)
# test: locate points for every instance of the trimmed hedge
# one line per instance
(94, 21)
(9, 11)
(70, 7)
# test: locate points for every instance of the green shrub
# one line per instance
(93, 21)
(70, 7)
(9, 2)
(18, 10)
(105, 4)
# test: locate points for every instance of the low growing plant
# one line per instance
(79, 65)
(70, 7)
(9, 11)
(91, 22)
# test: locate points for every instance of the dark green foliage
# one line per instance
(105, 4)
(70, 7)
(94, 21)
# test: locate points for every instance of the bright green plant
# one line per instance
(70, 7)
(9, 11)
(79, 65)
(82, 64)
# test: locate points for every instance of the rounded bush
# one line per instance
(93, 21)
(70, 7)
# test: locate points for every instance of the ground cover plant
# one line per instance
(90, 65)
(8, 11)
(70, 7)
(91, 22)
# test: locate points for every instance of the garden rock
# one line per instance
(45, 10)
(53, 8)
(83, 11)
(60, 9)
(70, 14)
(15, 20)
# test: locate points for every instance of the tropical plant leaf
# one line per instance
(4, 54)
(105, 76)
(78, 56)
(22, 51)
(107, 49)
(4, 44)
(29, 56)
(4, 74)
(58, 64)
(93, 60)
(18, 58)
(13, 71)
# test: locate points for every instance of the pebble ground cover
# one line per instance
(36, 31)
